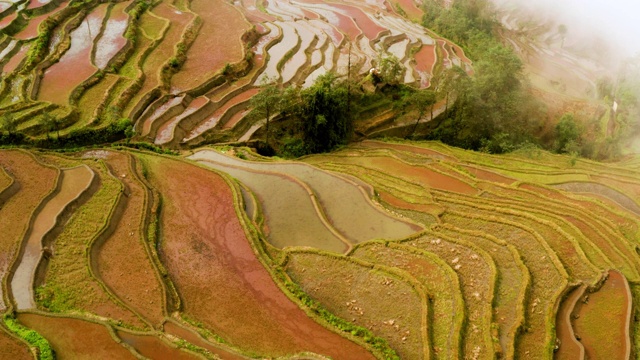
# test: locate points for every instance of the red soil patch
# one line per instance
(31, 30)
(425, 61)
(75, 65)
(488, 175)
(460, 53)
(37, 3)
(215, 45)
(220, 280)
(4, 22)
(123, 264)
(604, 320)
(173, 329)
(422, 175)
(15, 214)
(76, 339)
(409, 6)
(154, 348)
(112, 39)
(15, 60)
(13, 348)
(344, 23)
(370, 29)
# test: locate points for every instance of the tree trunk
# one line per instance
(415, 126)
(266, 135)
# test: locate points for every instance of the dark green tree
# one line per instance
(567, 134)
(420, 101)
(267, 103)
(326, 121)
(8, 123)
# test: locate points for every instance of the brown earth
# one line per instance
(16, 212)
(218, 42)
(123, 263)
(75, 339)
(219, 278)
(154, 348)
(13, 348)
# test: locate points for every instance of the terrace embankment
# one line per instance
(603, 319)
(123, 262)
(75, 338)
(71, 184)
(220, 280)
(17, 211)
(153, 348)
(367, 295)
(69, 284)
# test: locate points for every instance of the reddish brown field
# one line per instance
(75, 339)
(154, 348)
(218, 42)
(122, 261)
(221, 282)
(603, 322)
(31, 30)
(419, 175)
(12, 348)
(425, 61)
(16, 213)
(173, 329)
(409, 6)
(75, 65)
(4, 22)
(488, 175)
(369, 28)
(15, 59)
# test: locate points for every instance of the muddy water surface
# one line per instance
(74, 182)
(570, 348)
(345, 204)
(291, 217)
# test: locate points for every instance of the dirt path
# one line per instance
(73, 182)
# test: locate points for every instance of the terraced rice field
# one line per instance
(102, 62)
(378, 250)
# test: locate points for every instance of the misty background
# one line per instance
(603, 24)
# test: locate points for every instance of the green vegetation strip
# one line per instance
(45, 352)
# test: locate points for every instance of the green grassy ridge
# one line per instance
(346, 326)
(502, 254)
(559, 225)
(483, 342)
(450, 344)
(73, 250)
(538, 227)
(152, 229)
(44, 350)
(614, 251)
(535, 253)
